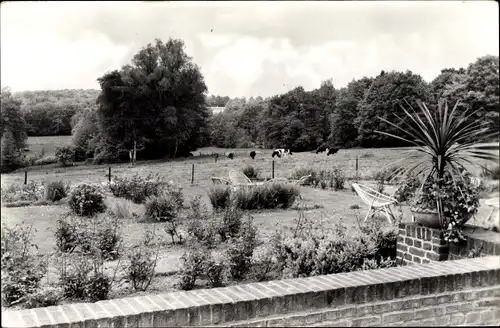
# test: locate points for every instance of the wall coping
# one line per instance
(244, 302)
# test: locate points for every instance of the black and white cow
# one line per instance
(253, 154)
(329, 150)
(281, 152)
(229, 155)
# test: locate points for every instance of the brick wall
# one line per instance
(461, 292)
(417, 244)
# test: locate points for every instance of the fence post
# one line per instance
(356, 167)
(109, 174)
(192, 173)
(273, 170)
(26, 177)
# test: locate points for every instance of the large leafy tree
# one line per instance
(12, 119)
(384, 99)
(343, 131)
(158, 102)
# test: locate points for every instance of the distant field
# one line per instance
(48, 144)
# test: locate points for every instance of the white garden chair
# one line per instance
(378, 202)
(239, 179)
(217, 180)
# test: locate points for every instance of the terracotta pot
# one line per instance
(426, 218)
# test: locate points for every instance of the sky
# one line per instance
(247, 48)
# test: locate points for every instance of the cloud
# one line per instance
(244, 48)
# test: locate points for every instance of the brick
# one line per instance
(408, 230)
(443, 320)
(438, 242)
(426, 260)
(401, 247)
(487, 316)
(416, 251)
(42, 317)
(472, 317)
(427, 246)
(408, 257)
(424, 313)
(366, 322)
(399, 254)
(417, 259)
(364, 310)
(417, 243)
(409, 241)
(402, 316)
(382, 307)
(457, 319)
(432, 256)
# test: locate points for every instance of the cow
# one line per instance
(281, 152)
(252, 154)
(329, 150)
(229, 155)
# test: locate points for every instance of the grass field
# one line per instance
(335, 206)
(48, 144)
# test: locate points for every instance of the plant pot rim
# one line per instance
(423, 210)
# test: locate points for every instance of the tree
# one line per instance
(343, 130)
(11, 157)
(85, 130)
(482, 83)
(384, 99)
(158, 102)
(12, 118)
(447, 77)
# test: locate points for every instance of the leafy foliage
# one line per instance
(86, 199)
(266, 196)
(65, 155)
(11, 158)
(11, 119)
(220, 197)
(32, 192)
(137, 188)
(56, 190)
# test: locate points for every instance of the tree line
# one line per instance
(158, 104)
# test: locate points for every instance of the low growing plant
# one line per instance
(86, 199)
(266, 196)
(56, 190)
(220, 197)
(137, 188)
(65, 155)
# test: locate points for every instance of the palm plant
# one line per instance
(445, 141)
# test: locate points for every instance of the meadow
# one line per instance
(322, 204)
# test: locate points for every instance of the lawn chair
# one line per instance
(217, 180)
(378, 202)
(238, 179)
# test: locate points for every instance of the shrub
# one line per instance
(122, 210)
(220, 197)
(97, 287)
(163, 208)
(192, 268)
(266, 196)
(67, 235)
(200, 225)
(86, 199)
(215, 267)
(250, 172)
(141, 268)
(240, 249)
(10, 159)
(56, 190)
(407, 189)
(33, 191)
(338, 179)
(44, 297)
(137, 188)
(21, 268)
(46, 160)
(65, 155)
(230, 224)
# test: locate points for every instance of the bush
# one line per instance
(44, 297)
(220, 197)
(33, 191)
(136, 188)
(250, 172)
(97, 287)
(86, 199)
(240, 249)
(56, 190)
(266, 196)
(165, 207)
(304, 171)
(192, 268)
(11, 158)
(200, 225)
(21, 268)
(141, 268)
(122, 210)
(407, 189)
(338, 179)
(67, 235)
(65, 155)
(230, 224)
(215, 268)
(46, 160)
